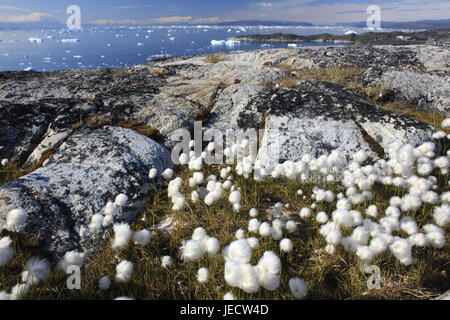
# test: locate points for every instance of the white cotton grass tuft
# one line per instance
(166, 262)
(291, 226)
(37, 270)
(19, 291)
(96, 223)
(322, 217)
(202, 275)
(228, 296)
(122, 235)
(372, 211)
(199, 234)
(6, 252)
(192, 250)
(305, 213)
(240, 234)
(4, 296)
(286, 245)
(167, 174)
(71, 258)
(142, 237)
(265, 229)
(253, 243)
(298, 288)
(121, 200)
(15, 219)
(239, 251)
(104, 283)
(253, 212)
(268, 270)
(153, 173)
(124, 271)
(212, 245)
(110, 208)
(253, 225)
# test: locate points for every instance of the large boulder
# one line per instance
(315, 119)
(89, 169)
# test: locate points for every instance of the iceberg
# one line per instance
(349, 32)
(28, 69)
(33, 39)
(292, 45)
(140, 44)
(70, 40)
(218, 42)
(77, 57)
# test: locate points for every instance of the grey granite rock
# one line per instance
(89, 169)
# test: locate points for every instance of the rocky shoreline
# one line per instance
(86, 120)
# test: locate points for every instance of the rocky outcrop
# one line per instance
(89, 169)
(79, 115)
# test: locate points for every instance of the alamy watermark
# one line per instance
(374, 20)
(374, 281)
(73, 22)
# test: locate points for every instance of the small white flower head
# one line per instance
(445, 123)
(253, 212)
(37, 270)
(343, 204)
(441, 215)
(19, 291)
(15, 219)
(265, 229)
(253, 225)
(419, 240)
(6, 252)
(240, 234)
(202, 275)
(192, 250)
(142, 237)
(395, 202)
(298, 288)
(268, 270)
(194, 196)
(330, 249)
(110, 208)
(305, 213)
(167, 174)
(153, 173)
(122, 235)
(212, 245)
(401, 249)
(96, 223)
(228, 296)
(409, 225)
(276, 233)
(124, 271)
(107, 220)
(322, 217)
(333, 237)
(121, 200)
(253, 243)
(239, 251)
(235, 197)
(71, 258)
(439, 135)
(410, 203)
(291, 226)
(104, 283)
(166, 262)
(199, 234)
(5, 162)
(372, 211)
(4, 296)
(365, 253)
(286, 245)
(430, 197)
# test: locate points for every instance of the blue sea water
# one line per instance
(118, 46)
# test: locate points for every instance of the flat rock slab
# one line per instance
(89, 169)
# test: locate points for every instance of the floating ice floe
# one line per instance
(218, 42)
(33, 39)
(28, 69)
(77, 57)
(140, 44)
(349, 32)
(292, 45)
(70, 40)
(172, 38)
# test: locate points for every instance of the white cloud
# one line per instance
(2, 7)
(32, 17)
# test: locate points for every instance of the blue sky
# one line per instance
(202, 11)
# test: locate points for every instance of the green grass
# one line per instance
(213, 59)
(327, 277)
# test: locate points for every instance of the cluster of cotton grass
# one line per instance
(105, 219)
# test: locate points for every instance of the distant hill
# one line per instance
(414, 25)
